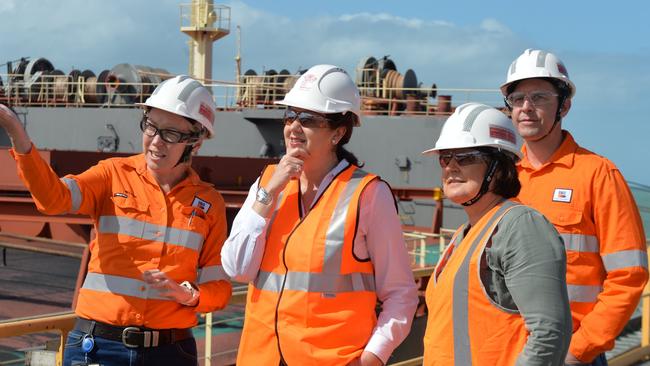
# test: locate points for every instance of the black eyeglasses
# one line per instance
(463, 159)
(536, 98)
(306, 119)
(167, 135)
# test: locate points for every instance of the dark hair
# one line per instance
(346, 120)
(506, 179)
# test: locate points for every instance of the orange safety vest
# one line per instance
(138, 228)
(587, 200)
(312, 302)
(465, 327)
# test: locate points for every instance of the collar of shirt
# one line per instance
(328, 178)
(140, 165)
(564, 155)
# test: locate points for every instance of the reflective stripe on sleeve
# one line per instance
(316, 282)
(583, 293)
(625, 259)
(75, 193)
(121, 286)
(211, 273)
(148, 231)
(580, 243)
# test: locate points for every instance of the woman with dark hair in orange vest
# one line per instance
(320, 242)
(155, 261)
(498, 294)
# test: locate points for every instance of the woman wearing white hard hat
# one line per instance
(498, 295)
(158, 227)
(319, 241)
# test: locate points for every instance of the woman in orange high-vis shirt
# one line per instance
(498, 295)
(319, 241)
(155, 262)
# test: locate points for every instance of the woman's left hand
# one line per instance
(166, 286)
(366, 359)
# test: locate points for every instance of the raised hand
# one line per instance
(11, 124)
(289, 167)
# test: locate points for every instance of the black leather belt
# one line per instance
(133, 337)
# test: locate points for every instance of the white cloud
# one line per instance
(7, 6)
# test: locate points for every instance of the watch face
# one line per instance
(263, 196)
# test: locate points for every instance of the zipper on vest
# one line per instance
(283, 362)
(284, 280)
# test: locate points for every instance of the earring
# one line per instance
(334, 141)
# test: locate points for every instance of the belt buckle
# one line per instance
(124, 336)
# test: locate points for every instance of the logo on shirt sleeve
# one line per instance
(562, 195)
(203, 205)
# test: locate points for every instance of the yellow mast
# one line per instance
(204, 23)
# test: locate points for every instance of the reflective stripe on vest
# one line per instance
(120, 285)
(336, 230)
(315, 282)
(75, 193)
(148, 231)
(330, 280)
(211, 273)
(460, 316)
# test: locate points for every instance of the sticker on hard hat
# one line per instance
(308, 81)
(562, 69)
(206, 112)
(498, 132)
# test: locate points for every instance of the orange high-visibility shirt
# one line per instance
(139, 228)
(585, 196)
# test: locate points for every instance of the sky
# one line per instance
(454, 44)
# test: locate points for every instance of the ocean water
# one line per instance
(641, 194)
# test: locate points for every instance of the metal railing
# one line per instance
(251, 92)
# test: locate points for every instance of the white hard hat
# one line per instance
(185, 97)
(325, 89)
(477, 125)
(537, 64)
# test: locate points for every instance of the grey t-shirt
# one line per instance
(523, 269)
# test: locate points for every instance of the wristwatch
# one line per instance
(263, 196)
(194, 291)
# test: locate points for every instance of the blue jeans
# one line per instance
(114, 353)
(601, 360)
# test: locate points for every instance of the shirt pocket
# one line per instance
(567, 221)
(195, 220)
(130, 207)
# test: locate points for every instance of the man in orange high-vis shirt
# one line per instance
(155, 262)
(585, 196)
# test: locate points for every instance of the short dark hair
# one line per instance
(506, 179)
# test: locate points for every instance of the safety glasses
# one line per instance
(536, 98)
(306, 119)
(167, 135)
(463, 158)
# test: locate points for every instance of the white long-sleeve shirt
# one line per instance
(379, 237)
